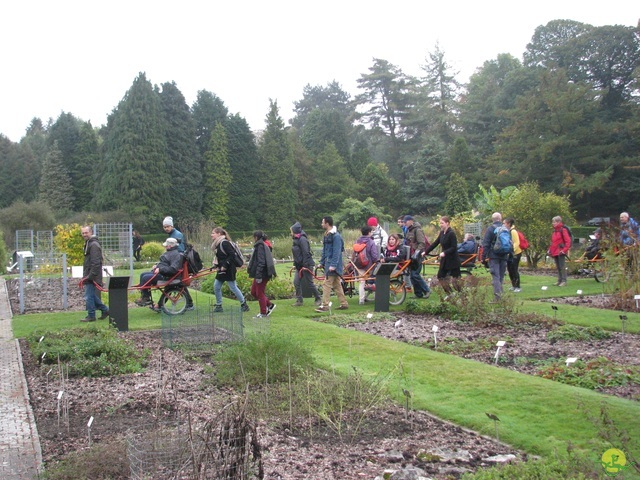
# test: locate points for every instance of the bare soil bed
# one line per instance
(391, 439)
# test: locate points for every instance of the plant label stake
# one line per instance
(41, 338)
(369, 315)
(571, 360)
(579, 292)
(555, 312)
(434, 329)
(50, 370)
(636, 298)
(623, 318)
(89, 429)
(500, 344)
(330, 303)
(544, 287)
(60, 393)
(495, 422)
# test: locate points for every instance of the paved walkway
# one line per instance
(20, 454)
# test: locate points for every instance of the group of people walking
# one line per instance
(375, 245)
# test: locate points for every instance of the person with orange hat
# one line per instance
(378, 234)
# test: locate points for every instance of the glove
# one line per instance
(258, 280)
(81, 283)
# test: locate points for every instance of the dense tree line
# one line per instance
(565, 117)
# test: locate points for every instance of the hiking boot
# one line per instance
(244, 307)
(104, 315)
(562, 284)
(343, 307)
(270, 309)
(297, 304)
(189, 307)
(322, 308)
(516, 290)
(88, 319)
(218, 309)
(260, 316)
(318, 302)
(155, 308)
(144, 301)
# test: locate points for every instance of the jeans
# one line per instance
(419, 284)
(146, 292)
(497, 268)
(308, 281)
(217, 288)
(92, 300)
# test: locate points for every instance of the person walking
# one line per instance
(513, 263)
(92, 275)
(497, 260)
(223, 263)
(417, 241)
(138, 242)
(559, 249)
(372, 256)
(449, 259)
(303, 263)
(332, 247)
(378, 234)
(261, 268)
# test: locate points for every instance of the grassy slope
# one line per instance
(536, 415)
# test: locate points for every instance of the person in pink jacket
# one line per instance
(559, 249)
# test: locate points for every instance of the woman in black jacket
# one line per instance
(261, 268)
(449, 259)
(223, 262)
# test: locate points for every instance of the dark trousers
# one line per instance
(513, 267)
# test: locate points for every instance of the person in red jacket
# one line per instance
(559, 249)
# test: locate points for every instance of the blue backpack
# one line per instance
(503, 243)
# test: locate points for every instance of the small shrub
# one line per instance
(576, 333)
(592, 374)
(461, 347)
(259, 358)
(151, 251)
(571, 468)
(68, 239)
(90, 352)
(100, 462)
(342, 320)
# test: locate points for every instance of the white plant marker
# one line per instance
(500, 344)
(369, 315)
(579, 292)
(89, 429)
(434, 329)
(571, 360)
(636, 298)
(544, 287)
(60, 394)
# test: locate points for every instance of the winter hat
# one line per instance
(170, 241)
(372, 222)
(408, 217)
(296, 228)
(167, 221)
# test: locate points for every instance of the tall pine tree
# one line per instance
(55, 186)
(217, 178)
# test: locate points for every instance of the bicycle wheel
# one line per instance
(397, 292)
(602, 275)
(172, 301)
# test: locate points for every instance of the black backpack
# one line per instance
(194, 262)
(237, 257)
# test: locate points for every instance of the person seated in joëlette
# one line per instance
(469, 246)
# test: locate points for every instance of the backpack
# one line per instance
(503, 243)
(570, 234)
(194, 262)
(238, 258)
(524, 243)
(360, 258)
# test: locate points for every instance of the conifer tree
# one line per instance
(55, 186)
(138, 174)
(277, 187)
(244, 165)
(332, 183)
(217, 178)
(84, 178)
(184, 158)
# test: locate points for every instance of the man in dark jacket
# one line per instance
(497, 261)
(303, 263)
(171, 261)
(417, 240)
(92, 275)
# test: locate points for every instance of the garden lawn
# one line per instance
(537, 415)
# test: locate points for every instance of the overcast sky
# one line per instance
(81, 57)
